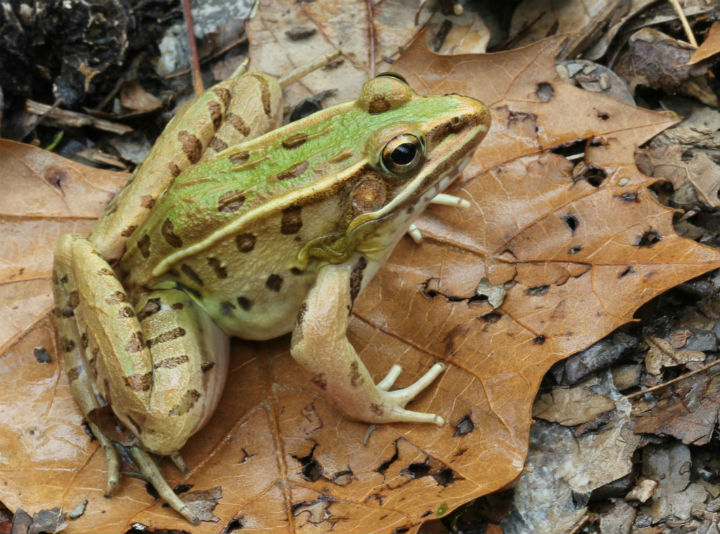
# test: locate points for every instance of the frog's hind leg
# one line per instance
(73, 346)
(159, 365)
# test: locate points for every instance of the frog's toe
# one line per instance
(405, 395)
(408, 416)
(386, 383)
(150, 470)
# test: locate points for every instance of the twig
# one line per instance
(194, 61)
(371, 35)
(682, 377)
(684, 22)
(74, 119)
(307, 68)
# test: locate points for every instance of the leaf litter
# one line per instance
(561, 220)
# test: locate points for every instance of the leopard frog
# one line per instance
(221, 234)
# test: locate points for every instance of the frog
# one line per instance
(226, 231)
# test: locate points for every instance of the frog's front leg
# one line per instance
(159, 363)
(320, 345)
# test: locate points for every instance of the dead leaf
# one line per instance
(709, 47)
(687, 411)
(663, 354)
(133, 96)
(579, 252)
(571, 406)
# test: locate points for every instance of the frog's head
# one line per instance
(414, 147)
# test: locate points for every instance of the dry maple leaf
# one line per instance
(575, 250)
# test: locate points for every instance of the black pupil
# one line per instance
(404, 154)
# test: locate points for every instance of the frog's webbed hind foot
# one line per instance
(397, 399)
(147, 466)
(444, 200)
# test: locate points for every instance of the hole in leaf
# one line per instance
(491, 317)
(417, 470)
(233, 525)
(571, 221)
(629, 197)
(464, 426)
(540, 340)
(603, 116)
(594, 175)
(537, 291)
(444, 477)
(574, 250)
(626, 272)
(182, 488)
(545, 91)
(570, 149)
(648, 239)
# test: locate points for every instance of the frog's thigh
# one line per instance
(161, 367)
(320, 344)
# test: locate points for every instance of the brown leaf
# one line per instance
(579, 249)
(709, 47)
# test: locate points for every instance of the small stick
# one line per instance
(682, 377)
(684, 22)
(194, 61)
(298, 72)
(371, 35)
(73, 118)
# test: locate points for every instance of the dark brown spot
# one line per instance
(244, 303)
(128, 231)
(264, 93)
(226, 308)
(344, 154)
(319, 380)
(171, 362)
(126, 312)
(378, 104)
(206, 366)
(296, 271)
(355, 378)
(217, 144)
(291, 221)
(174, 169)
(177, 306)
(301, 313)
(245, 242)
(231, 201)
(376, 409)
(71, 302)
(274, 282)
(116, 298)
(190, 145)
(223, 94)
(464, 426)
(139, 382)
(146, 201)
(292, 172)
(239, 157)
(152, 306)
(144, 246)
(104, 271)
(294, 140)
(84, 340)
(218, 267)
(135, 343)
(544, 91)
(67, 345)
(186, 403)
(168, 232)
(74, 373)
(356, 277)
(237, 122)
(166, 336)
(215, 112)
(191, 274)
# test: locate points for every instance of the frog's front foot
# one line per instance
(394, 401)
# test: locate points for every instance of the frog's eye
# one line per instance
(402, 154)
